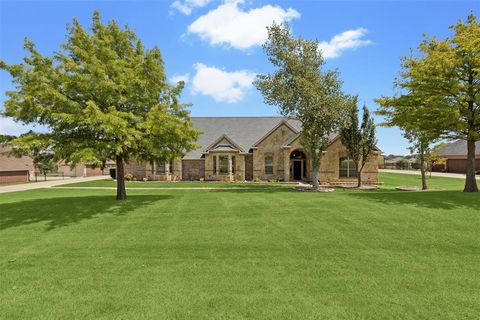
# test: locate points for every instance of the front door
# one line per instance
(297, 170)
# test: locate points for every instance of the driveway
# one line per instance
(47, 184)
(434, 174)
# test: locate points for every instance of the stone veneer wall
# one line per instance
(271, 145)
(330, 166)
(239, 167)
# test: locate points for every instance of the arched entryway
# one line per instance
(298, 165)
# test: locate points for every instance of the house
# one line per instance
(456, 156)
(14, 169)
(251, 148)
(83, 170)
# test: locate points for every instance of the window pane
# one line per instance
(171, 166)
(269, 165)
(214, 164)
(160, 167)
(223, 164)
(347, 168)
(233, 164)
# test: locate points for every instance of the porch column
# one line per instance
(167, 171)
(286, 164)
(230, 174)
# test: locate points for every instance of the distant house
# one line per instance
(83, 170)
(248, 148)
(456, 155)
(13, 169)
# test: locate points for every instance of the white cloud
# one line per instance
(222, 86)
(180, 77)
(10, 127)
(230, 25)
(346, 40)
(186, 6)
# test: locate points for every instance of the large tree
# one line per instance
(302, 90)
(359, 140)
(101, 96)
(445, 77)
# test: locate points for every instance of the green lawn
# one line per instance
(237, 254)
(180, 184)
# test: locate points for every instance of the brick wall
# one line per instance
(193, 169)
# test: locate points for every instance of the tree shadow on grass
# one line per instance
(428, 199)
(63, 211)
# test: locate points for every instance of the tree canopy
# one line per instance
(439, 91)
(102, 96)
(302, 90)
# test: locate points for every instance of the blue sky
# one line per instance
(214, 45)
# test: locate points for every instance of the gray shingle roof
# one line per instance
(244, 131)
(458, 148)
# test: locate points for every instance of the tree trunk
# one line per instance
(315, 169)
(470, 182)
(121, 192)
(359, 179)
(422, 168)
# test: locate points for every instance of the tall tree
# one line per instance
(446, 77)
(359, 140)
(102, 96)
(302, 90)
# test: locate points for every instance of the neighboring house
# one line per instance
(14, 169)
(456, 155)
(83, 170)
(247, 148)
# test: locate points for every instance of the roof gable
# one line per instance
(281, 123)
(223, 143)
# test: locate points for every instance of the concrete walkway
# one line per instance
(47, 184)
(434, 174)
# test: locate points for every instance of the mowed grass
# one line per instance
(241, 254)
(109, 183)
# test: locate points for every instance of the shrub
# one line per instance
(256, 179)
(129, 177)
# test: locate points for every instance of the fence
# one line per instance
(37, 176)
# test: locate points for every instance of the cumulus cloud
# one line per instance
(186, 6)
(346, 40)
(222, 86)
(232, 26)
(180, 77)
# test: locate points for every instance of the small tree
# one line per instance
(102, 96)
(433, 158)
(302, 90)
(360, 140)
(419, 145)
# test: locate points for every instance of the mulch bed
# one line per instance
(407, 188)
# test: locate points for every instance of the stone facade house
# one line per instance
(251, 148)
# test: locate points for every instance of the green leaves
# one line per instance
(301, 89)
(101, 95)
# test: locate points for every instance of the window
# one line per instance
(223, 164)
(171, 166)
(160, 168)
(268, 164)
(233, 164)
(348, 168)
(214, 164)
